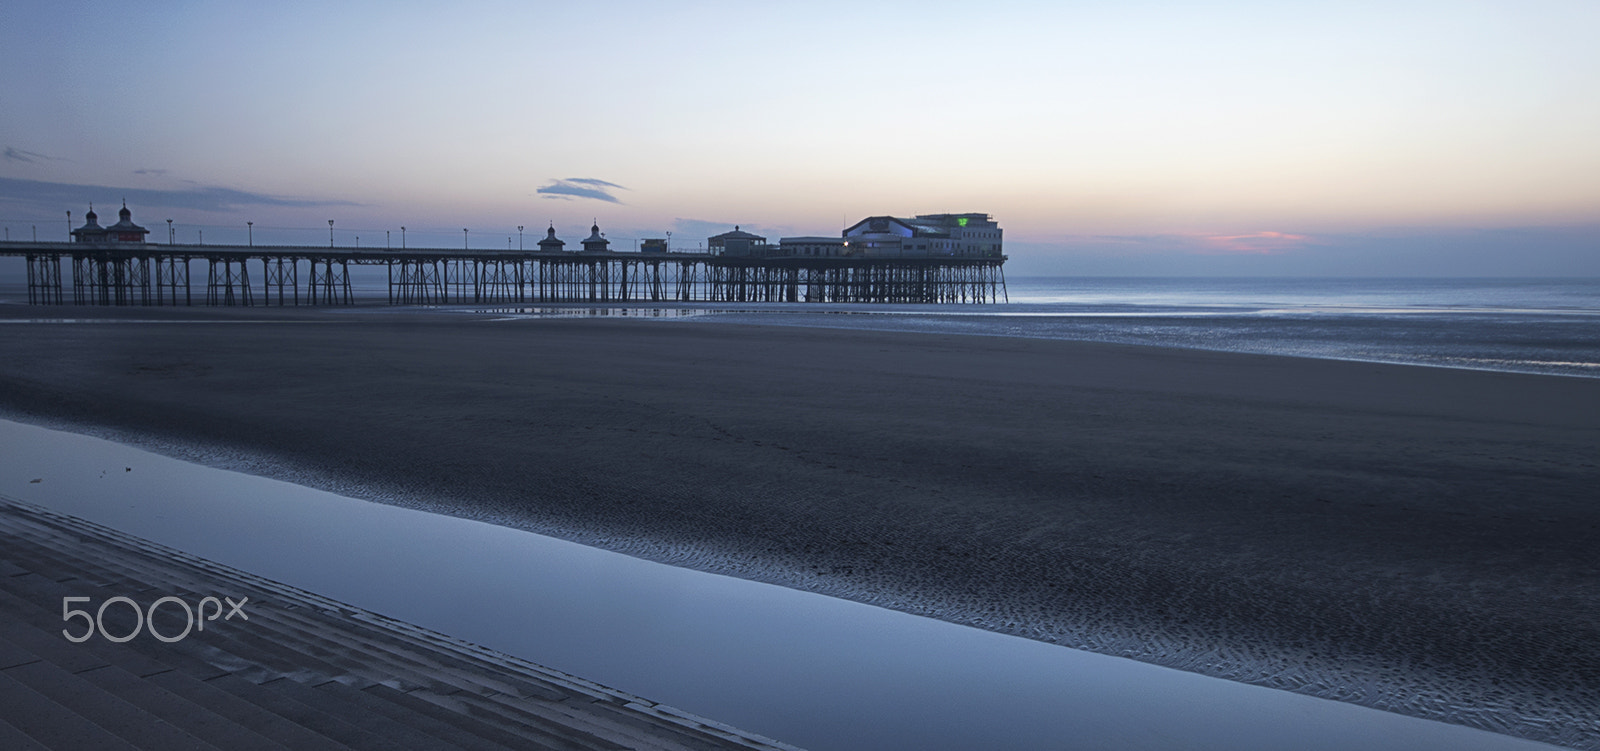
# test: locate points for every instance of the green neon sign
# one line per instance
(961, 221)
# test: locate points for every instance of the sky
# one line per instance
(1129, 138)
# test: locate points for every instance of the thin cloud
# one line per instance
(695, 228)
(1256, 243)
(156, 172)
(200, 199)
(581, 187)
(593, 181)
(15, 154)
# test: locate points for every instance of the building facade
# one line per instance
(811, 247)
(962, 235)
(737, 243)
(971, 235)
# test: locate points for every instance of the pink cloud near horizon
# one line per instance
(1255, 243)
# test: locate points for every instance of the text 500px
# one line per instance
(193, 621)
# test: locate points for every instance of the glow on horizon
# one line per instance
(1068, 120)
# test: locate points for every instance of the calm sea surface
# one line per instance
(1523, 325)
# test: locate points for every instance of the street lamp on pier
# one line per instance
(386, 239)
(519, 237)
(169, 231)
(402, 237)
(69, 225)
(250, 227)
(330, 233)
(464, 245)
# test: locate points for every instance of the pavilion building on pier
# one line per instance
(124, 231)
(971, 235)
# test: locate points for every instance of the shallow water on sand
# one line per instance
(1549, 326)
(803, 668)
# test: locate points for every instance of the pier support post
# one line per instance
(227, 282)
(44, 279)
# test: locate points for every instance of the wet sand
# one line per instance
(1415, 539)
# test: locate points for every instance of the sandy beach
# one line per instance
(1414, 539)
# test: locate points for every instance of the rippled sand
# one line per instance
(1415, 539)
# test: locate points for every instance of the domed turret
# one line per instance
(551, 244)
(91, 231)
(596, 242)
(125, 230)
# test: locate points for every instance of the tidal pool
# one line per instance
(802, 668)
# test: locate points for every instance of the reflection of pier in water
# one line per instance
(147, 274)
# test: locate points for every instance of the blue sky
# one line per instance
(1140, 137)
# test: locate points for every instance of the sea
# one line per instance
(1549, 326)
(1526, 325)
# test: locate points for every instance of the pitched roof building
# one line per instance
(735, 243)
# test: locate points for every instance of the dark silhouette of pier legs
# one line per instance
(227, 282)
(111, 280)
(103, 274)
(414, 282)
(44, 279)
(329, 282)
(172, 272)
(500, 281)
(277, 273)
(460, 281)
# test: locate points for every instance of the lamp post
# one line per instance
(69, 225)
(169, 231)
(250, 227)
(402, 237)
(519, 238)
(202, 237)
(330, 233)
(464, 245)
(386, 239)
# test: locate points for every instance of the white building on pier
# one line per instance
(971, 235)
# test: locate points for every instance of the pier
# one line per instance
(152, 274)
